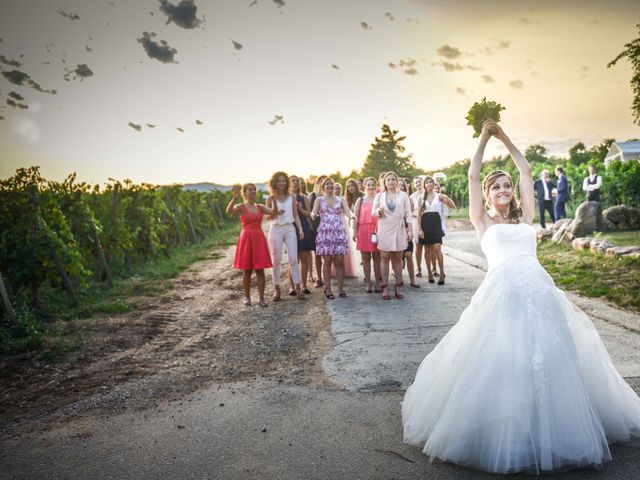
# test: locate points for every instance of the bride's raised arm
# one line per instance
(477, 213)
(526, 179)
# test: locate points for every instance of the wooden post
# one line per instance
(6, 301)
(193, 232)
(66, 282)
(101, 257)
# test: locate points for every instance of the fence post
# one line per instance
(6, 301)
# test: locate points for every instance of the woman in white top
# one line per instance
(282, 231)
(415, 224)
(394, 230)
(431, 226)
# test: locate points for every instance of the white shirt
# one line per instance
(588, 188)
(546, 190)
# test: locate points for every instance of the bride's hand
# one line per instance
(489, 128)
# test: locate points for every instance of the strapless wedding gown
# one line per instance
(522, 382)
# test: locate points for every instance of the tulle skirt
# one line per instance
(522, 382)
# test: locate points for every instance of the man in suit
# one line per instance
(542, 189)
(562, 194)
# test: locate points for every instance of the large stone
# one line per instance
(623, 251)
(582, 243)
(621, 217)
(588, 219)
(561, 233)
(599, 246)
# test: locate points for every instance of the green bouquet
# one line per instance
(482, 111)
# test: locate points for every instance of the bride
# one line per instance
(523, 381)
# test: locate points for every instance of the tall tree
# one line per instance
(632, 52)
(536, 154)
(598, 152)
(578, 154)
(386, 154)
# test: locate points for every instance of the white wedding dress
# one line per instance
(523, 381)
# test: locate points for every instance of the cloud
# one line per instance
(390, 16)
(87, 48)
(135, 126)
(516, 84)
(198, 122)
(16, 96)
(584, 71)
(448, 52)
(411, 71)
(236, 45)
(180, 129)
(365, 25)
(151, 125)
(525, 21)
(23, 79)
(15, 104)
(496, 44)
(407, 65)
(255, 2)
(488, 78)
(183, 14)
(460, 91)
(10, 63)
(279, 3)
(82, 71)
(392, 65)
(336, 67)
(27, 129)
(276, 119)
(70, 16)
(455, 67)
(160, 51)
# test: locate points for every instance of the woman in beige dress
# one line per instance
(393, 208)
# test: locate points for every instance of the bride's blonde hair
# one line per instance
(515, 211)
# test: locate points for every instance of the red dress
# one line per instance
(252, 252)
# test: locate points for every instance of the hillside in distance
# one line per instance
(208, 186)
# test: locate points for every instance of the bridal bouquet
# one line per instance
(481, 111)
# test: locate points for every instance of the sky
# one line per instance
(243, 88)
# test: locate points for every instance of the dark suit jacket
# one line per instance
(538, 189)
(562, 190)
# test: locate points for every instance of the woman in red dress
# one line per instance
(252, 252)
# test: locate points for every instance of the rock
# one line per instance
(599, 246)
(622, 251)
(588, 219)
(621, 217)
(582, 243)
(562, 233)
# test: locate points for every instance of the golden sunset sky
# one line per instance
(417, 65)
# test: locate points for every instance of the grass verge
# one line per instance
(614, 279)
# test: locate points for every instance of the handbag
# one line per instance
(374, 236)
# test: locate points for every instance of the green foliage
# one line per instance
(49, 228)
(386, 155)
(632, 53)
(482, 111)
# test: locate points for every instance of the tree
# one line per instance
(578, 154)
(385, 155)
(598, 152)
(536, 154)
(632, 52)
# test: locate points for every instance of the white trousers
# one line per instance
(279, 235)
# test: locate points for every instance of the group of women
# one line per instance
(373, 223)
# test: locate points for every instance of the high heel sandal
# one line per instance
(441, 281)
(431, 280)
(298, 293)
(382, 289)
(399, 296)
(330, 296)
(276, 297)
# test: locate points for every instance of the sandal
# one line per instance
(330, 296)
(318, 284)
(419, 274)
(431, 280)
(292, 293)
(414, 285)
(399, 295)
(342, 295)
(276, 295)
(263, 303)
(246, 302)
(298, 293)
(441, 281)
(306, 291)
(385, 296)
